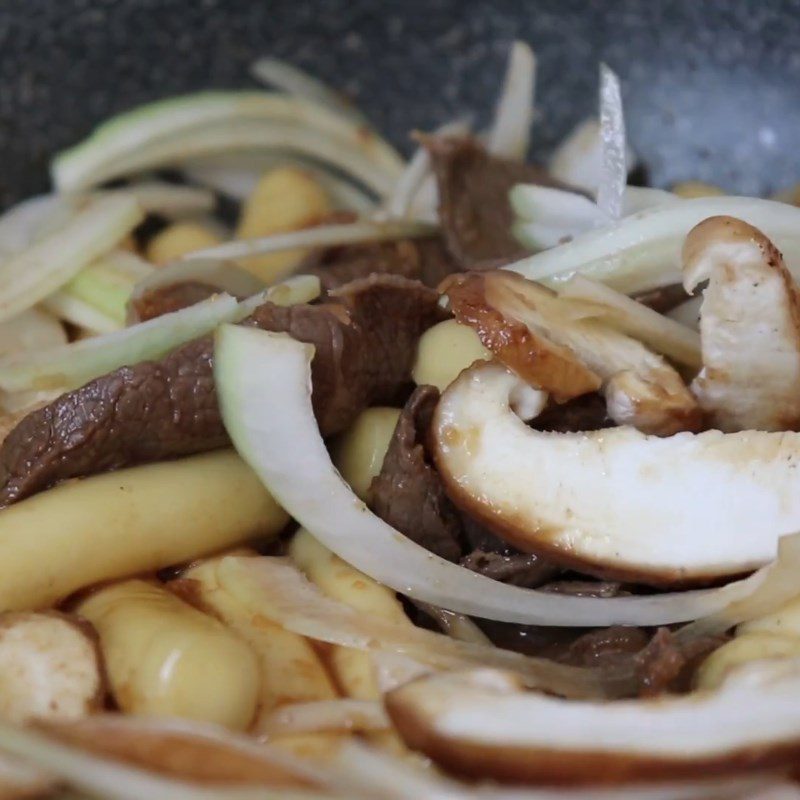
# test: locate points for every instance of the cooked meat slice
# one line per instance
(586, 413)
(407, 493)
(474, 208)
(424, 259)
(663, 299)
(166, 299)
(365, 338)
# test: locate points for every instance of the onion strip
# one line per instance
(78, 312)
(292, 80)
(76, 363)
(612, 135)
(170, 131)
(48, 264)
(511, 129)
(264, 384)
(276, 589)
(319, 236)
(642, 251)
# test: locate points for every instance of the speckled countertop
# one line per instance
(712, 87)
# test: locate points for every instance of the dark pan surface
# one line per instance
(712, 87)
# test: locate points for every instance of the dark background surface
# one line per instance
(711, 87)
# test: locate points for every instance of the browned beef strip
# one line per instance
(408, 493)
(365, 339)
(174, 297)
(664, 299)
(474, 208)
(425, 259)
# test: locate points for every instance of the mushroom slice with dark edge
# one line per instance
(615, 502)
(749, 324)
(538, 335)
(482, 724)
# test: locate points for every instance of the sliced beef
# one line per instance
(174, 297)
(474, 208)
(585, 413)
(664, 299)
(408, 493)
(426, 260)
(365, 339)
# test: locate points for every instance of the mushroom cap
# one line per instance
(616, 503)
(483, 725)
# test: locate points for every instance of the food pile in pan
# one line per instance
(327, 474)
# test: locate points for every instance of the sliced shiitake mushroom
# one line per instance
(553, 345)
(481, 724)
(615, 502)
(749, 324)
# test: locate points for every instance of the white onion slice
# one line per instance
(511, 128)
(264, 384)
(457, 626)
(324, 715)
(41, 269)
(688, 313)
(79, 313)
(74, 364)
(237, 174)
(170, 131)
(546, 216)
(612, 135)
(578, 160)
(643, 251)
(288, 292)
(292, 80)
(319, 236)
(276, 589)
(107, 283)
(663, 334)
(170, 200)
(19, 225)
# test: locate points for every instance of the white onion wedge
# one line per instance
(264, 385)
(295, 81)
(19, 224)
(578, 159)
(76, 363)
(172, 130)
(32, 274)
(511, 129)
(482, 725)
(616, 502)
(643, 251)
(663, 334)
(80, 313)
(319, 236)
(277, 590)
(612, 136)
